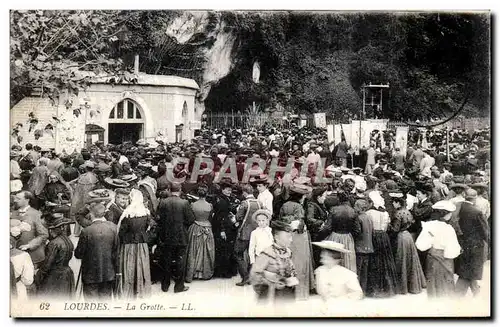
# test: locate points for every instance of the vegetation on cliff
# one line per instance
(310, 62)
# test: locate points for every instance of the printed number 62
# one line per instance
(44, 306)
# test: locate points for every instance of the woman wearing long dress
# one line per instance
(408, 268)
(292, 212)
(224, 232)
(134, 253)
(341, 227)
(201, 247)
(440, 239)
(382, 280)
(55, 278)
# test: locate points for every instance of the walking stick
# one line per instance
(79, 284)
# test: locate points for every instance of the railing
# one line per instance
(222, 120)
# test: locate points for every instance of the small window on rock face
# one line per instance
(112, 114)
(137, 114)
(120, 110)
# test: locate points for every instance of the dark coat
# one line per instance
(133, 230)
(175, 216)
(98, 249)
(421, 212)
(316, 215)
(247, 208)
(469, 264)
(221, 220)
(342, 219)
(55, 277)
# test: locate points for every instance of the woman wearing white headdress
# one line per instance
(134, 253)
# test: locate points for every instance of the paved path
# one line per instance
(223, 297)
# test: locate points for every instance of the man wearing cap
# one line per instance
(469, 265)
(246, 225)
(98, 249)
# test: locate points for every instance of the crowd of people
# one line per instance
(393, 223)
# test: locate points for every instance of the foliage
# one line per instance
(319, 62)
(49, 48)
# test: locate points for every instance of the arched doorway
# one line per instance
(125, 122)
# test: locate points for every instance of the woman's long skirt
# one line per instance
(59, 284)
(348, 259)
(135, 270)
(382, 280)
(408, 268)
(440, 274)
(200, 252)
(302, 260)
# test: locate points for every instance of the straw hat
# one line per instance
(332, 246)
(300, 188)
(261, 212)
(444, 205)
(116, 182)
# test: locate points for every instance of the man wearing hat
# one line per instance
(469, 265)
(98, 249)
(175, 215)
(55, 278)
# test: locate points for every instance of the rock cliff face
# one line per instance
(290, 77)
(217, 57)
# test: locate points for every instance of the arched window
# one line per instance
(126, 111)
(184, 110)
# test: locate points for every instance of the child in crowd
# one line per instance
(262, 237)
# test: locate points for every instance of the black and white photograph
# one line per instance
(250, 163)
